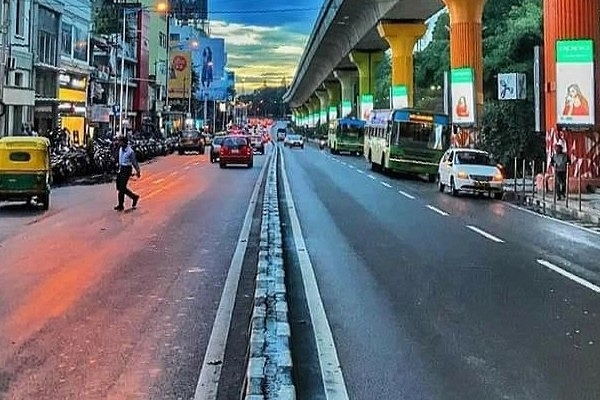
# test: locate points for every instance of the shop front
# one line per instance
(72, 106)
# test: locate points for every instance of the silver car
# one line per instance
(215, 146)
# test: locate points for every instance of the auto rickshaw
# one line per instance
(25, 171)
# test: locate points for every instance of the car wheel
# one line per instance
(180, 152)
(222, 165)
(441, 186)
(302, 147)
(251, 164)
(212, 160)
(431, 178)
(498, 195)
(453, 189)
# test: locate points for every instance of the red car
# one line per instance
(236, 150)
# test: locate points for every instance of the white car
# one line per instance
(469, 170)
(292, 140)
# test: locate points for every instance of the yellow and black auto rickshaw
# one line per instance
(25, 171)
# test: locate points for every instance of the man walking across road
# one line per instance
(560, 161)
(127, 162)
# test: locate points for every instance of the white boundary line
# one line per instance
(360, 171)
(485, 234)
(331, 370)
(569, 275)
(567, 223)
(210, 373)
(437, 210)
(372, 177)
(387, 185)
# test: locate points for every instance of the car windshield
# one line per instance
(190, 134)
(235, 141)
(218, 140)
(294, 137)
(472, 158)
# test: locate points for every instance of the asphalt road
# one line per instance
(429, 296)
(96, 304)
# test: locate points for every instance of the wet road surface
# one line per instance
(429, 296)
(96, 304)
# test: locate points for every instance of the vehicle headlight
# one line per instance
(462, 175)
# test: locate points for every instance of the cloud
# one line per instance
(257, 53)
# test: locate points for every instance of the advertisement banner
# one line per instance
(399, 97)
(366, 106)
(180, 77)
(462, 81)
(346, 108)
(332, 113)
(575, 82)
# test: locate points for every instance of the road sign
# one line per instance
(512, 86)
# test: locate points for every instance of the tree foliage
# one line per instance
(511, 30)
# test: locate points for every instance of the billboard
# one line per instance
(575, 81)
(180, 75)
(462, 81)
(512, 86)
(399, 97)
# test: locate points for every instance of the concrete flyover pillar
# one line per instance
(314, 105)
(323, 106)
(573, 20)
(402, 37)
(348, 79)
(334, 92)
(303, 111)
(466, 47)
(366, 62)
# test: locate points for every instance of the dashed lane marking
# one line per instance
(569, 275)
(485, 234)
(409, 196)
(437, 210)
(387, 185)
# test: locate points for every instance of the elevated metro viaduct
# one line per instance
(350, 37)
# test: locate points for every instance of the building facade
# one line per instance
(157, 41)
(17, 94)
(74, 68)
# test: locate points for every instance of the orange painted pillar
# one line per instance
(571, 20)
(466, 44)
(402, 37)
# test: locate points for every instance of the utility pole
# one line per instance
(3, 60)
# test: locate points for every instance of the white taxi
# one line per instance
(469, 170)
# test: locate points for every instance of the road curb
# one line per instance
(269, 369)
(559, 210)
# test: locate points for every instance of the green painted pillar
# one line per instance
(323, 106)
(366, 62)
(334, 91)
(348, 79)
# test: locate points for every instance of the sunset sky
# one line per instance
(264, 40)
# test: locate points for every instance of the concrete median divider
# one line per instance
(269, 367)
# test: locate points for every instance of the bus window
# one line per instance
(434, 136)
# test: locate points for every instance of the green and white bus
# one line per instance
(346, 135)
(407, 141)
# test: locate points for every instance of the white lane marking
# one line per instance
(387, 185)
(372, 177)
(158, 181)
(437, 210)
(351, 167)
(186, 168)
(331, 370)
(360, 171)
(210, 373)
(485, 234)
(344, 163)
(572, 225)
(410, 196)
(569, 275)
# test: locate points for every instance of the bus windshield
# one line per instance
(351, 131)
(420, 134)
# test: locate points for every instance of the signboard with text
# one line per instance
(462, 82)
(575, 82)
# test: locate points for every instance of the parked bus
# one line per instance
(346, 134)
(407, 141)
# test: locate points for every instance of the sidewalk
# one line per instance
(587, 212)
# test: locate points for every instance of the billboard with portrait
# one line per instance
(180, 75)
(463, 96)
(575, 82)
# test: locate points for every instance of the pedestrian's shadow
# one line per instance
(20, 210)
